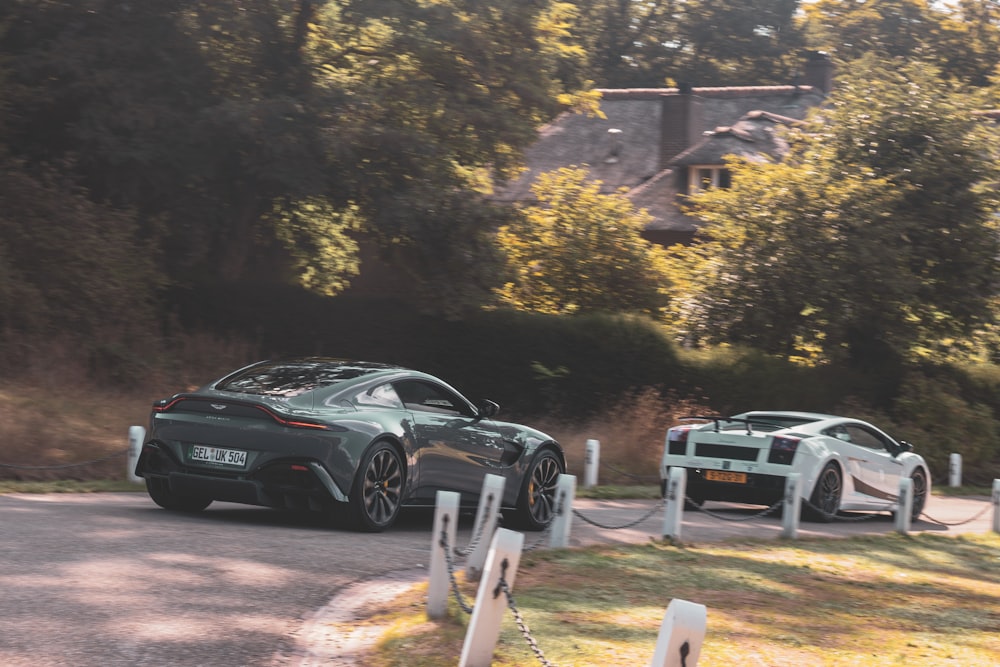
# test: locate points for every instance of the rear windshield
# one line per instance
(295, 377)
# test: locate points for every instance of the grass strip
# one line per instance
(874, 601)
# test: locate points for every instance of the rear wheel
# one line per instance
(536, 503)
(919, 479)
(825, 499)
(377, 492)
(159, 490)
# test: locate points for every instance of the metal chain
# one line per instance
(466, 607)
(956, 523)
(645, 516)
(723, 517)
(521, 625)
(64, 465)
(474, 542)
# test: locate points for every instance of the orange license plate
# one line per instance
(724, 476)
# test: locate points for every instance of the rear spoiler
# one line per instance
(718, 419)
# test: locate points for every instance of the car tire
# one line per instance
(825, 499)
(377, 492)
(537, 502)
(158, 489)
(919, 479)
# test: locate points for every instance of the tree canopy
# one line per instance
(577, 250)
(260, 137)
(876, 237)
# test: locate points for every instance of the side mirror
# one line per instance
(904, 446)
(488, 409)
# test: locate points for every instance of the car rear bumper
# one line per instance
(759, 489)
(281, 484)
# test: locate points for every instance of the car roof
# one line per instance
(293, 375)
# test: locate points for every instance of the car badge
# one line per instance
(218, 406)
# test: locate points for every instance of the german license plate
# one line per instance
(726, 476)
(218, 456)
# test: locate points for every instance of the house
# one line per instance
(661, 143)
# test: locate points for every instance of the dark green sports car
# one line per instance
(353, 439)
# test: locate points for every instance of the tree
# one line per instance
(578, 250)
(962, 40)
(700, 42)
(265, 134)
(873, 240)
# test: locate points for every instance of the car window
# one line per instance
(838, 432)
(864, 437)
(429, 397)
(382, 396)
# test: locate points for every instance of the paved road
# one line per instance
(110, 579)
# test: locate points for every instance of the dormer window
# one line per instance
(705, 176)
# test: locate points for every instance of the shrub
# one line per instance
(939, 421)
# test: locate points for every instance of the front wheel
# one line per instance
(159, 490)
(377, 492)
(825, 499)
(536, 503)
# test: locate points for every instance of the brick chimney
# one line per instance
(680, 123)
(819, 71)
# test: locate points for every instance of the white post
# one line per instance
(439, 583)
(490, 499)
(674, 514)
(681, 635)
(484, 626)
(905, 507)
(591, 463)
(136, 436)
(996, 506)
(565, 494)
(955, 470)
(793, 506)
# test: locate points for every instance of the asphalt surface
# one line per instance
(110, 579)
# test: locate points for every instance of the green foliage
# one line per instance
(69, 267)
(578, 250)
(872, 241)
(933, 414)
(317, 236)
(961, 38)
(703, 42)
(258, 132)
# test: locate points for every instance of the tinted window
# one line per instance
(418, 395)
(864, 437)
(382, 396)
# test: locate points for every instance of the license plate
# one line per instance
(725, 476)
(218, 456)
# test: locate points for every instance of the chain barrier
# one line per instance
(465, 606)
(474, 542)
(957, 523)
(651, 512)
(63, 466)
(773, 508)
(502, 587)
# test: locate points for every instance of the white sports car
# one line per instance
(845, 464)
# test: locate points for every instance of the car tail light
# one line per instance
(783, 449)
(236, 409)
(677, 438)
